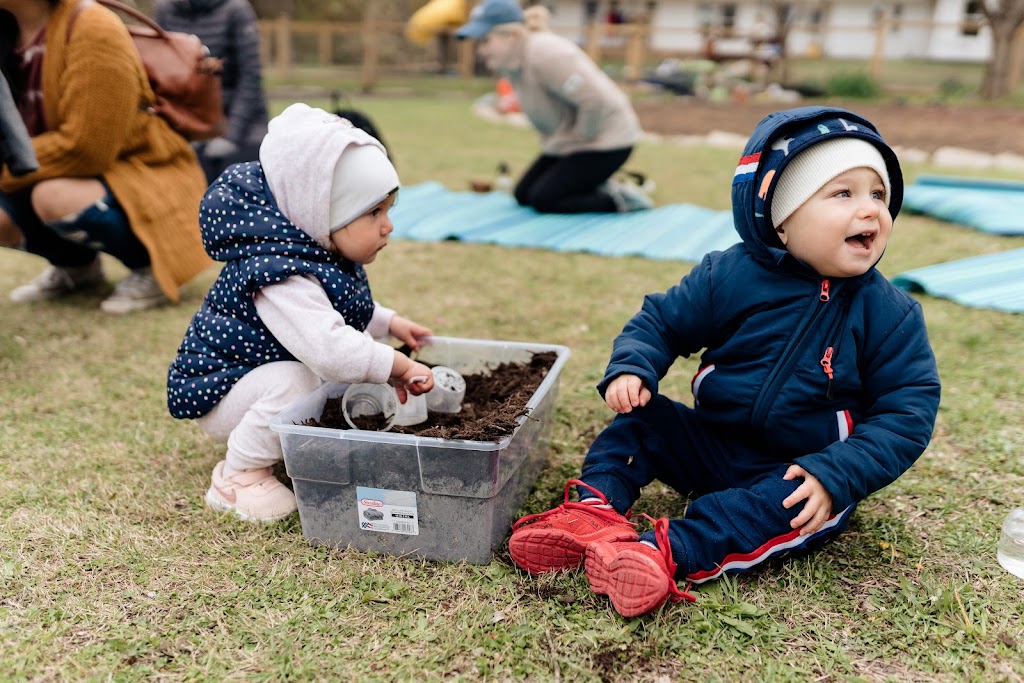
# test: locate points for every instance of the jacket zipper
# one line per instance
(835, 335)
(783, 367)
(826, 365)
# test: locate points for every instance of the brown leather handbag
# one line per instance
(183, 75)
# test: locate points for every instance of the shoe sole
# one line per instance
(539, 551)
(214, 502)
(632, 581)
(39, 297)
(132, 305)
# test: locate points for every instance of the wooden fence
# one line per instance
(373, 46)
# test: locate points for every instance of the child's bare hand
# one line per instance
(408, 332)
(819, 502)
(416, 379)
(625, 393)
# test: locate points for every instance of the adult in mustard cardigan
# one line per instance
(112, 176)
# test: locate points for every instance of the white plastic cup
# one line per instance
(1010, 552)
(364, 400)
(448, 392)
(412, 412)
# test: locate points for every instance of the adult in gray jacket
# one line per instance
(586, 123)
(228, 28)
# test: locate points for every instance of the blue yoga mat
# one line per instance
(987, 281)
(989, 205)
(431, 212)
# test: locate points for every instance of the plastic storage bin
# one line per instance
(400, 494)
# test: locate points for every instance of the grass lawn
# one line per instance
(111, 568)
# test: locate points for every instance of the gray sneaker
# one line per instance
(137, 292)
(627, 196)
(58, 281)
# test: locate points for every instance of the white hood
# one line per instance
(300, 156)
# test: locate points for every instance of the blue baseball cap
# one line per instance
(489, 14)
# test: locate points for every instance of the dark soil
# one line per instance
(926, 127)
(493, 402)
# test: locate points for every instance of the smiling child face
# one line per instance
(842, 230)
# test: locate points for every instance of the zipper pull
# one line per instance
(823, 295)
(826, 365)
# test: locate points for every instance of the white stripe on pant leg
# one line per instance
(792, 540)
(242, 418)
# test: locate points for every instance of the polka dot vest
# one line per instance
(242, 226)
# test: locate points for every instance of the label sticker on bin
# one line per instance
(391, 512)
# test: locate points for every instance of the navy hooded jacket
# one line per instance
(242, 226)
(768, 324)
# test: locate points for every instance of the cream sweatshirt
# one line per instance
(299, 314)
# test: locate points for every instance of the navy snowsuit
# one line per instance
(766, 395)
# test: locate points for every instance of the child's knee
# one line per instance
(296, 381)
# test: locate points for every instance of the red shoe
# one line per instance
(558, 538)
(636, 577)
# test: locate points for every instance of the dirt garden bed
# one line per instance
(926, 127)
(493, 402)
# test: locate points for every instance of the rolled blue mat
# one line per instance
(429, 211)
(986, 281)
(991, 205)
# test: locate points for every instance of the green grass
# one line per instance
(112, 569)
(912, 80)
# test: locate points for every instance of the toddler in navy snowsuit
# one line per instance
(817, 384)
(292, 305)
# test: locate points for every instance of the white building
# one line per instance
(942, 30)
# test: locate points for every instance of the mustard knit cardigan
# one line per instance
(94, 93)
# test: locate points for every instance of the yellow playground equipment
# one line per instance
(434, 17)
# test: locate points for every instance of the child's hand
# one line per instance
(625, 393)
(403, 374)
(819, 502)
(408, 332)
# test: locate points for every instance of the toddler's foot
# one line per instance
(253, 495)
(637, 577)
(557, 539)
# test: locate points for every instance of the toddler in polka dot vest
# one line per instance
(291, 307)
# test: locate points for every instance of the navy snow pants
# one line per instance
(735, 520)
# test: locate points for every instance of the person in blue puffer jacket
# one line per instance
(817, 385)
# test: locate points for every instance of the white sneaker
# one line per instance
(628, 196)
(138, 291)
(253, 495)
(58, 281)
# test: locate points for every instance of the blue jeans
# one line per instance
(75, 241)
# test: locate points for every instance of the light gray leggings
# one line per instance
(242, 418)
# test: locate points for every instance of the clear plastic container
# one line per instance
(459, 496)
(1011, 543)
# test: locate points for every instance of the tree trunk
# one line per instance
(996, 81)
(783, 22)
(1003, 19)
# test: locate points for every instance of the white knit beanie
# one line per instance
(306, 160)
(817, 165)
(363, 178)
